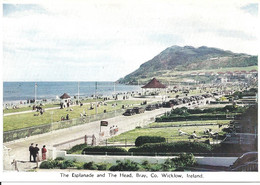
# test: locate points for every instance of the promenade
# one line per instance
(18, 149)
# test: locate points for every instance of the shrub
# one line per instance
(90, 166)
(77, 148)
(67, 163)
(228, 148)
(79, 165)
(103, 166)
(59, 159)
(184, 160)
(181, 146)
(148, 139)
(47, 165)
(168, 165)
(101, 150)
(125, 166)
(155, 167)
(191, 117)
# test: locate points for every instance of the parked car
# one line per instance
(129, 112)
(150, 107)
(167, 104)
(138, 110)
(158, 105)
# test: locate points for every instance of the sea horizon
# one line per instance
(25, 90)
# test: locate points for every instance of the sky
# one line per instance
(98, 40)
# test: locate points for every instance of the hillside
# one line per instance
(188, 58)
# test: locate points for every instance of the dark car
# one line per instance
(138, 110)
(158, 105)
(129, 112)
(167, 104)
(150, 107)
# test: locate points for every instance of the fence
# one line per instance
(156, 154)
(86, 139)
(250, 166)
(30, 131)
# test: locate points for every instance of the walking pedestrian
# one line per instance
(44, 150)
(31, 149)
(67, 117)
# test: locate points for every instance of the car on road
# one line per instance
(138, 110)
(158, 105)
(150, 107)
(129, 112)
(167, 104)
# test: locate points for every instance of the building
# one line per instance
(65, 98)
(154, 87)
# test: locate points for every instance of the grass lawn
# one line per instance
(169, 124)
(29, 108)
(170, 132)
(19, 121)
(46, 105)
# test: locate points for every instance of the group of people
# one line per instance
(113, 130)
(64, 118)
(194, 135)
(34, 152)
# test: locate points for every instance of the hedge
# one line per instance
(148, 139)
(191, 117)
(181, 146)
(102, 150)
(77, 148)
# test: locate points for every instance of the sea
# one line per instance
(23, 91)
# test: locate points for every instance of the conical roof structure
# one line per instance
(154, 83)
(65, 96)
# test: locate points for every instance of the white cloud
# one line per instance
(111, 39)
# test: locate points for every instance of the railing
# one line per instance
(250, 166)
(30, 131)
(161, 154)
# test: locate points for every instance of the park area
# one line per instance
(30, 119)
(184, 124)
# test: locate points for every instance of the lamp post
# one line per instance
(96, 97)
(115, 96)
(51, 120)
(35, 93)
(78, 92)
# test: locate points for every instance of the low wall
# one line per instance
(213, 161)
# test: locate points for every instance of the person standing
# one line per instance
(36, 153)
(44, 150)
(31, 149)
